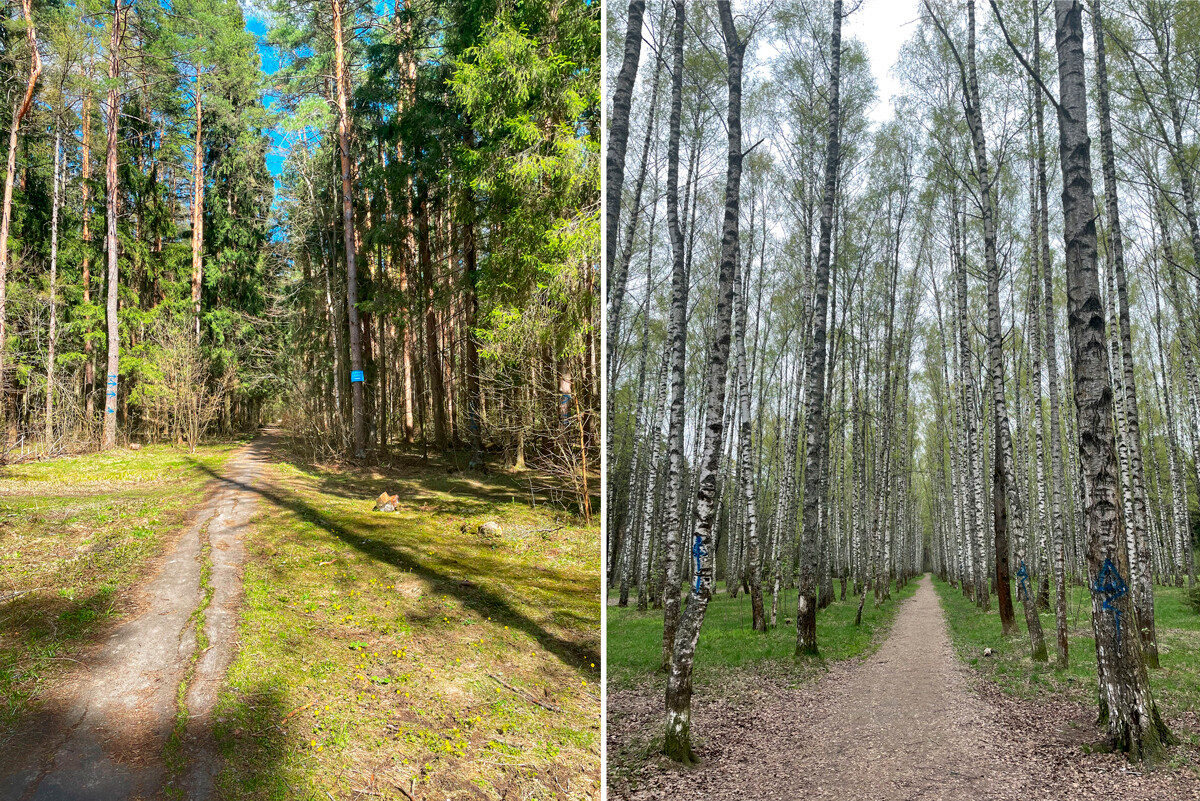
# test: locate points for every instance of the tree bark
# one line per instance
(677, 334)
(1134, 725)
(110, 175)
(816, 431)
(357, 379)
(618, 130)
(1143, 598)
(197, 210)
(677, 743)
(53, 333)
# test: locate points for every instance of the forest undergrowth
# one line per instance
(406, 654)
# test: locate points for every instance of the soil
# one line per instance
(101, 733)
(906, 723)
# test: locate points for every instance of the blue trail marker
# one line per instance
(698, 552)
(1110, 584)
(356, 376)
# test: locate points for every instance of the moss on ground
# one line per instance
(375, 649)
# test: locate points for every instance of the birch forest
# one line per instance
(376, 223)
(847, 348)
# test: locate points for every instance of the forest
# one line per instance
(300, 377)
(383, 234)
(847, 348)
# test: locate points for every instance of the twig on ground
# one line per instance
(407, 794)
(548, 530)
(289, 715)
(19, 593)
(69, 659)
(526, 696)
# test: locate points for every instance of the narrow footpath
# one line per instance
(103, 731)
(903, 724)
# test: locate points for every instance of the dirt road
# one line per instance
(103, 732)
(904, 724)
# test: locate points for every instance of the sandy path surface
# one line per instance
(102, 732)
(903, 724)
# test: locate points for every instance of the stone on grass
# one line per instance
(488, 529)
(387, 503)
(987, 652)
(134, 446)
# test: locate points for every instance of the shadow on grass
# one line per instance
(446, 473)
(482, 601)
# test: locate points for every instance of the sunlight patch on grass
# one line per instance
(373, 646)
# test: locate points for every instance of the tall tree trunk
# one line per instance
(53, 334)
(1057, 473)
(110, 176)
(753, 567)
(19, 112)
(433, 360)
(677, 743)
(677, 334)
(618, 133)
(474, 393)
(816, 431)
(1134, 725)
(198, 210)
(89, 362)
(357, 379)
(1143, 596)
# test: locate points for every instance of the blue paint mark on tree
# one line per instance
(356, 376)
(698, 553)
(1110, 584)
(1023, 575)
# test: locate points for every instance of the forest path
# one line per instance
(901, 724)
(906, 724)
(104, 733)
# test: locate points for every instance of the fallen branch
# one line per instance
(69, 659)
(526, 696)
(407, 794)
(548, 530)
(18, 594)
(289, 715)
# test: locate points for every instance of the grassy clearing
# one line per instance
(75, 534)
(1176, 684)
(728, 644)
(373, 646)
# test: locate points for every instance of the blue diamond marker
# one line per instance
(1110, 584)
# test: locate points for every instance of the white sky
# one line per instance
(883, 26)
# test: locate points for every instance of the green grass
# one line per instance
(1176, 684)
(75, 534)
(728, 644)
(368, 641)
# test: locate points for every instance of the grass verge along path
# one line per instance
(734, 666)
(76, 534)
(1175, 685)
(404, 655)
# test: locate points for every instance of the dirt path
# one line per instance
(904, 724)
(103, 732)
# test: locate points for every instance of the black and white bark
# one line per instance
(677, 337)
(1134, 725)
(677, 742)
(816, 431)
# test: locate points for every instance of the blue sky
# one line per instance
(270, 65)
